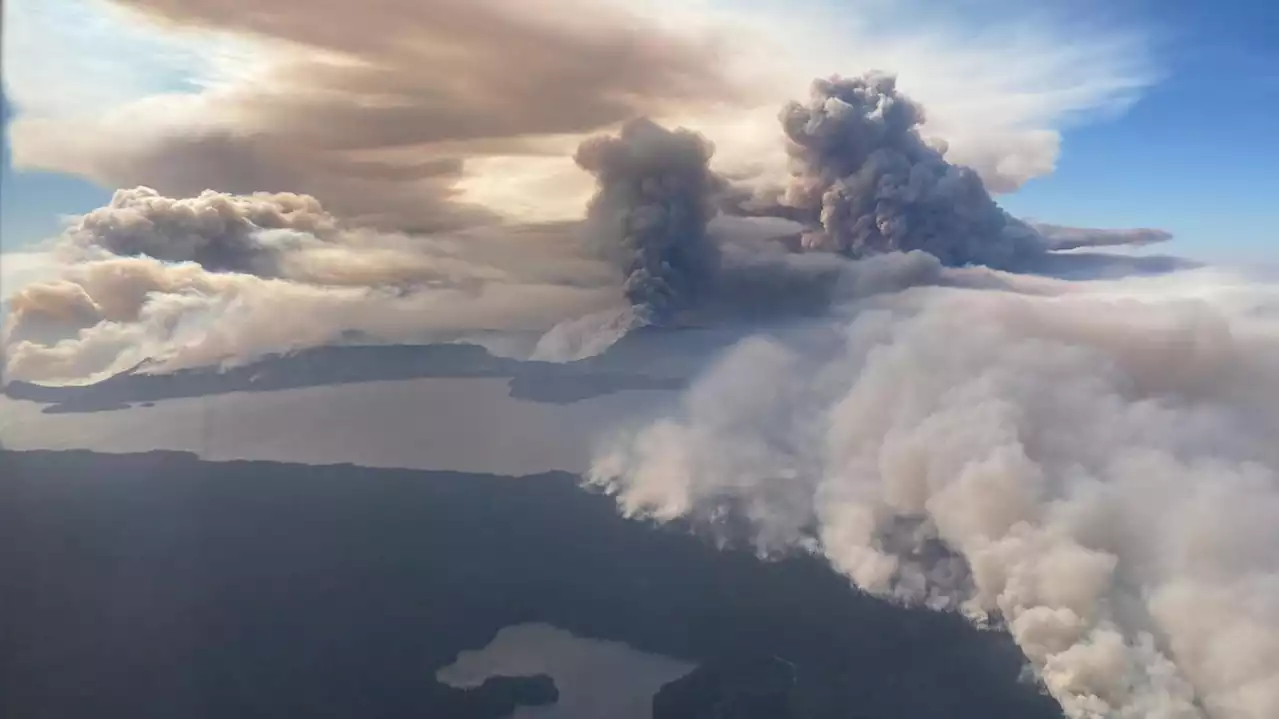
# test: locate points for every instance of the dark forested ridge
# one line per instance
(649, 358)
(157, 585)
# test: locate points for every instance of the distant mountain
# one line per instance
(634, 364)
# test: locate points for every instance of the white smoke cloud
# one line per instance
(176, 316)
(1090, 465)
(587, 336)
(224, 279)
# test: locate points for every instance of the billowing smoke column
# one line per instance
(650, 212)
(866, 182)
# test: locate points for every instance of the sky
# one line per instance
(1187, 150)
(1192, 155)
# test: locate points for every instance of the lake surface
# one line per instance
(456, 424)
(595, 678)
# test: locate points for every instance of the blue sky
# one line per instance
(32, 202)
(1192, 155)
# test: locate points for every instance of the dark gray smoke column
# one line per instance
(866, 182)
(652, 205)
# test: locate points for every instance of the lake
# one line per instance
(456, 424)
(595, 678)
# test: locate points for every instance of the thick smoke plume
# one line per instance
(1091, 466)
(864, 181)
(653, 201)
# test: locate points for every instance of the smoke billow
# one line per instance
(216, 230)
(864, 181)
(1098, 460)
(216, 279)
(651, 209)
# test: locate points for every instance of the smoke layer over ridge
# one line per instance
(227, 279)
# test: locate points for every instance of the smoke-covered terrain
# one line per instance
(965, 412)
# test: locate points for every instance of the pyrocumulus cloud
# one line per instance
(864, 181)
